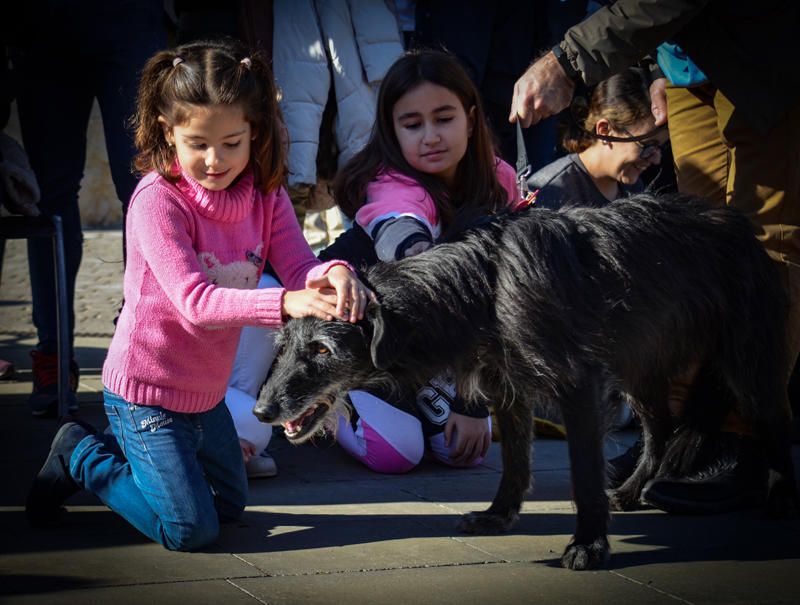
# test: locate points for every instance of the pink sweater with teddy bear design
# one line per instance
(194, 258)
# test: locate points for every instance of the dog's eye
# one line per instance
(323, 350)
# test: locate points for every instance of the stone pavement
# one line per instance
(327, 530)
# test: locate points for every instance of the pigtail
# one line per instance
(270, 165)
(153, 151)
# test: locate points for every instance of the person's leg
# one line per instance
(254, 357)
(382, 436)
(123, 38)
(221, 457)
(764, 183)
(54, 105)
(157, 483)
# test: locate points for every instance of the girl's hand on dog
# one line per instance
(351, 295)
(318, 303)
(472, 438)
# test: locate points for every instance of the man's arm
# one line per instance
(603, 44)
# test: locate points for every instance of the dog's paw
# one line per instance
(622, 500)
(482, 522)
(586, 556)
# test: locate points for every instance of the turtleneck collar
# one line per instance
(230, 205)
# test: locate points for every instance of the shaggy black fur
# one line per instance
(560, 308)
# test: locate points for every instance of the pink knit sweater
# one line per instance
(194, 258)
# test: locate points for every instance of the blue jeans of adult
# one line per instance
(76, 51)
(172, 476)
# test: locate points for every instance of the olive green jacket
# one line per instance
(745, 47)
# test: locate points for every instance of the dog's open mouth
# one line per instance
(307, 423)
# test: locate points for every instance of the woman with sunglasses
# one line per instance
(612, 139)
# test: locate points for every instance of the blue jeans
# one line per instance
(171, 475)
(75, 52)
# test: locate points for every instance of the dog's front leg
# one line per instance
(581, 410)
(516, 427)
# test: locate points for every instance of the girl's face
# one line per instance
(626, 161)
(432, 129)
(213, 146)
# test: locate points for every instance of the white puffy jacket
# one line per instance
(356, 41)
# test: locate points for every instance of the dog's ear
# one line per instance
(388, 339)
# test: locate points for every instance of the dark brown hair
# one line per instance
(623, 99)
(476, 178)
(207, 73)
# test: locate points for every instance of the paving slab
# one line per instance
(479, 584)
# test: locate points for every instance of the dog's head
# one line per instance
(317, 363)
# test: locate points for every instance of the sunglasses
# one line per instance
(647, 148)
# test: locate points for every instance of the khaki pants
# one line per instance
(719, 156)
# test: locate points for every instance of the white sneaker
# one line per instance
(261, 466)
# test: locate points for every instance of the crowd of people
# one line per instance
(224, 159)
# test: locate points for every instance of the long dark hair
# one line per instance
(476, 178)
(623, 99)
(205, 73)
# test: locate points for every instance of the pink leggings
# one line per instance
(387, 439)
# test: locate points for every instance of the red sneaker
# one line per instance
(44, 398)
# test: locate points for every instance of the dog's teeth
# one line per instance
(292, 427)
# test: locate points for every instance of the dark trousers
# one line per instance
(78, 51)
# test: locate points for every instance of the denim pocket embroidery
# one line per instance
(155, 421)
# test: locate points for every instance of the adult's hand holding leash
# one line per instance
(543, 90)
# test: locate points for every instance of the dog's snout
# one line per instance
(263, 413)
(265, 409)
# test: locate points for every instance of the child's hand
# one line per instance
(311, 301)
(351, 295)
(248, 449)
(473, 438)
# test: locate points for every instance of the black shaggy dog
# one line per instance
(561, 308)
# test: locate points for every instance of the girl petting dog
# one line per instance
(207, 216)
(428, 167)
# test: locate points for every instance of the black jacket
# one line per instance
(745, 47)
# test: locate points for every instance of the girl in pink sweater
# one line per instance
(202, 223)
(428, 169)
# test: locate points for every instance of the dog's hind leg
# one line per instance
(582, 410)
(651, 406)
(516, 427)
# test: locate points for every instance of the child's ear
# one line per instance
(165, 126)
(471, 120)
(603, 127)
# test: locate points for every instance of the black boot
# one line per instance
(54, 483)
(735, 480)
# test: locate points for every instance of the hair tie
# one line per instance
(246, 62)
(176, 61)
